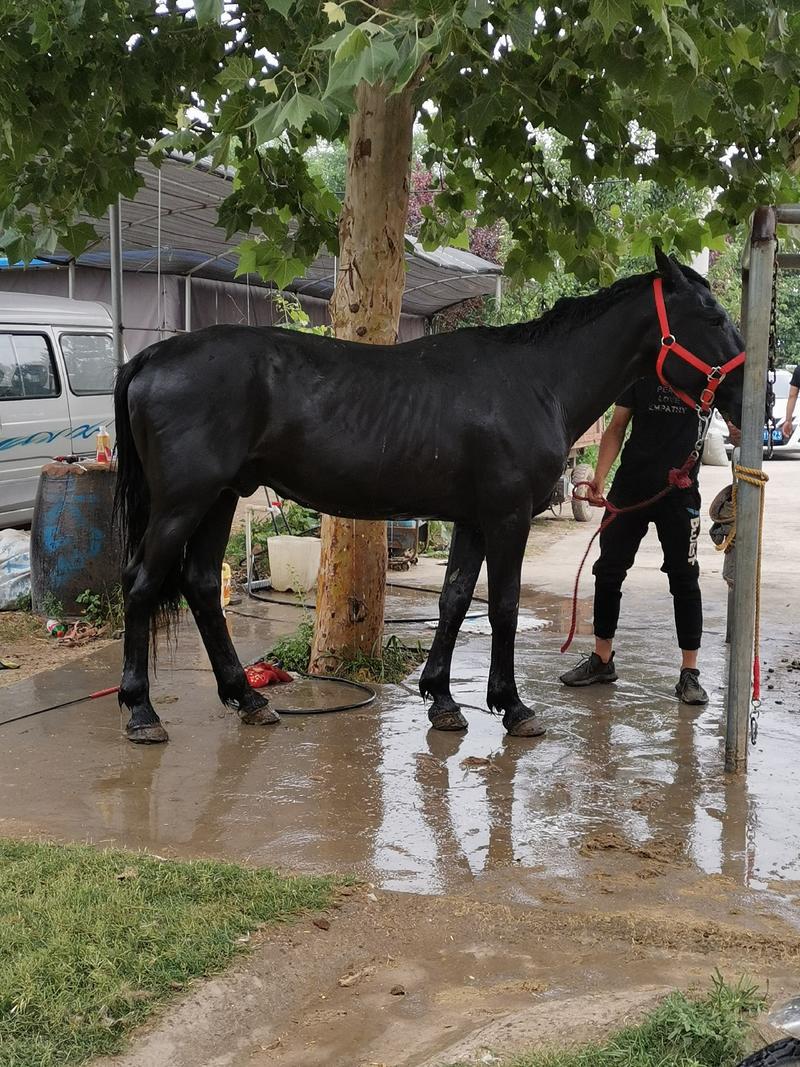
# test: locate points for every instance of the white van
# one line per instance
(56, 382)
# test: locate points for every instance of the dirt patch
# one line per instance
(473, 976)
(24, 640)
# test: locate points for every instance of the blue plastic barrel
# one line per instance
(73, 545)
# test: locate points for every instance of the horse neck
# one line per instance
(599, 359)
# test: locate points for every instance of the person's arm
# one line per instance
(786, 428)
(610, 446)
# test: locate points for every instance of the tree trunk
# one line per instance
(365, 307)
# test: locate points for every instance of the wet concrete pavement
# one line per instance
(374, 792)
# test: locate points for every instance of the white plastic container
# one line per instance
(293, 562)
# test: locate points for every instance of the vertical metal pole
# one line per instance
(762, 257)
(115, 226)
(498, 294)
(71, 279)
(187, 303)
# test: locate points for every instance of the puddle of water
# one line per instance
(375, 792)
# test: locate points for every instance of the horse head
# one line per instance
(702, 353)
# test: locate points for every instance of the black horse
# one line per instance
(473, 426)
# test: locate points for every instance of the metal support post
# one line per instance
(187, 303)
(71, 279)
(115, 228)
(740, 674)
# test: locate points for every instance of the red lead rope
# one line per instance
(678, 478)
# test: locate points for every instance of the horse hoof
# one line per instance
(448, 719)
(260, 717)
(150, 733)
(531, 727)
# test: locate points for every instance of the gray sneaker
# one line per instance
(591, 670)
(688, 690)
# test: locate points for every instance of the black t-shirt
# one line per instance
(663, 433)
(796, 377)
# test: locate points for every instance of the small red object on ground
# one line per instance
(261, 674)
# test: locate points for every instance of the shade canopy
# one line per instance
(171, 226)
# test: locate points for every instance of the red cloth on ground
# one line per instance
(261, 674)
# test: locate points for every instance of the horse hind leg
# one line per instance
(201, 585)
(156, 563)
(463, 567)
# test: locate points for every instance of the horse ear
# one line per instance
(670, 270)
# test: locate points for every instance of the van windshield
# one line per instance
(89, 358)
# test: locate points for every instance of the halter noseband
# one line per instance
(714, 375)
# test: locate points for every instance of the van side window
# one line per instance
(26, 367)
(90, 362)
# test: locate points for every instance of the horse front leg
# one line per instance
(505, 548)
(463, 566)
(201, 585)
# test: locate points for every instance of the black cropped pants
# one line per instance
(677, 521)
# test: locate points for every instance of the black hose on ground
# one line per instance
(390, 585)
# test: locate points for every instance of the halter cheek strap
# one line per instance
(714, 375)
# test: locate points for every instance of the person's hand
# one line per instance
(595, 492)
(786, 429)
(735, 434)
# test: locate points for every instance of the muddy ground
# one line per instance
(512, 891)
(25, 642)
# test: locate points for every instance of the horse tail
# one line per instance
(132, 498)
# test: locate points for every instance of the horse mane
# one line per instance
(572, 311)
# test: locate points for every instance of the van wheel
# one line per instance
(581, 508)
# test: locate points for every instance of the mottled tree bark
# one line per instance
(365, 307)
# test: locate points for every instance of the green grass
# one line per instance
(397, 661)
(681, 1032)
(91, 941)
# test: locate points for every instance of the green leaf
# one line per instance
(330, 44)
(335, 13)
(475, 12)
(520, 25)
(689, 99)
(411, 51)
(353, 45)
(739, 45)
(285, 271)
(686, 45)
(41, 30)
(658, 9)
(267, 124)
(378, 62)
(283, 7)
(791, 109)
(270, 86)
(481, 113)
(609, 13)
(208, 10)
(248, 257)
(298, 109)
(236, 73)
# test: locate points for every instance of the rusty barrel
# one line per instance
(73, 545)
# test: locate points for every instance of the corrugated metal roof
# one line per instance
(176, 211)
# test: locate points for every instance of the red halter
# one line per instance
(714, 375)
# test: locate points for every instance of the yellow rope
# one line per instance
(758, 478)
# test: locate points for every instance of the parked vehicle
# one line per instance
(780, 443)
(56, 380)
(786, 1052)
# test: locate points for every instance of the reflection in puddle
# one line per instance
(375, 792)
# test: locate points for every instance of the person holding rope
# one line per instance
(663, 431)
(787, 429)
